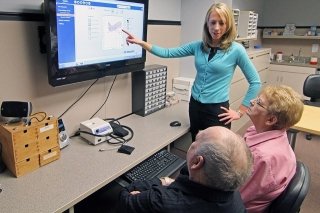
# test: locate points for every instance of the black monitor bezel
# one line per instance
(59, 77)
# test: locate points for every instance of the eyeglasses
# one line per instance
(258, 102)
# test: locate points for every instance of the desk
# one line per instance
(82, 169)
(308, 123)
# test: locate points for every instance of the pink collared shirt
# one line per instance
(274, 166)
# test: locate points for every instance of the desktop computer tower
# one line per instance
(149, 89)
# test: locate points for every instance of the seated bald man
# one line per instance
(218, 162)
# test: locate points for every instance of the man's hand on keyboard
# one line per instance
(166, 181)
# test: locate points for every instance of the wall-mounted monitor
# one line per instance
(85, 39)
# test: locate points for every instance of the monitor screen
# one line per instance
(86, 39)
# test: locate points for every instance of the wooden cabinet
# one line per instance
(27, 147)
(261, 61)
(292, 76)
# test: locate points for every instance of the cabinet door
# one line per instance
(274, 77)
(261, 61)
(295, 69)
(293, 76)
(263, 76)
(294, 80)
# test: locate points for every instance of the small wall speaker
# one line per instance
(17, 109)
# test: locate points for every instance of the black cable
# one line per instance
(112, 120)
(34, 117)
(77, 133)
(124, 116)
(78, 99)
(122, 141)
(130, 130)
(123, 126)
(36, 113)
(106, 97)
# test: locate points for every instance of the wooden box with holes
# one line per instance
(27, 147)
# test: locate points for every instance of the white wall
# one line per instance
(23, 73)
(249, 5)
(192, 18)
(165, 10)
(20, 5)
(273, 12)
(301, 13)
(158, 9)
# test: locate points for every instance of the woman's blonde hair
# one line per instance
(231, 33)
(285, 104)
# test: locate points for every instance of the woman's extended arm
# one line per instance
(133, 40)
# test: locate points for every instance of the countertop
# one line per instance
(284, 62)
(253, 50)
(287, 63)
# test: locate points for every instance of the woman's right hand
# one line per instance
(131, 39)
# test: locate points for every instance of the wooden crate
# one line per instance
(27, 165)
(27, 147)
(47, 132)
(49, 155)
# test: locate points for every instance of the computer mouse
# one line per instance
(175, 123)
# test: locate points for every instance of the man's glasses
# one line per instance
(258, 102)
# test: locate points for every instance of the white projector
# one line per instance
(95, 126)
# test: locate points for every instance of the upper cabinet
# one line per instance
(247, 26)
(236, 15)
(246, 23)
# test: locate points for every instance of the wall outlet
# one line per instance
(315, 48)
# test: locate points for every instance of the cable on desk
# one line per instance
(130, 130)
(116, 120)
(112, 120)
(124, 116)
(120, 140)
(77, 133)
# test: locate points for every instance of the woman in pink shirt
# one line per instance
(276, 109)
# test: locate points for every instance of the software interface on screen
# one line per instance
(90, 32)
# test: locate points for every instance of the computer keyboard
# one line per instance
(161, 164)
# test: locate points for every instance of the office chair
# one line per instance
(311, 88)
(290, 200)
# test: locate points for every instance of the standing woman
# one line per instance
(216, 58)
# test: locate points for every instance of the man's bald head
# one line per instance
(227, 160)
